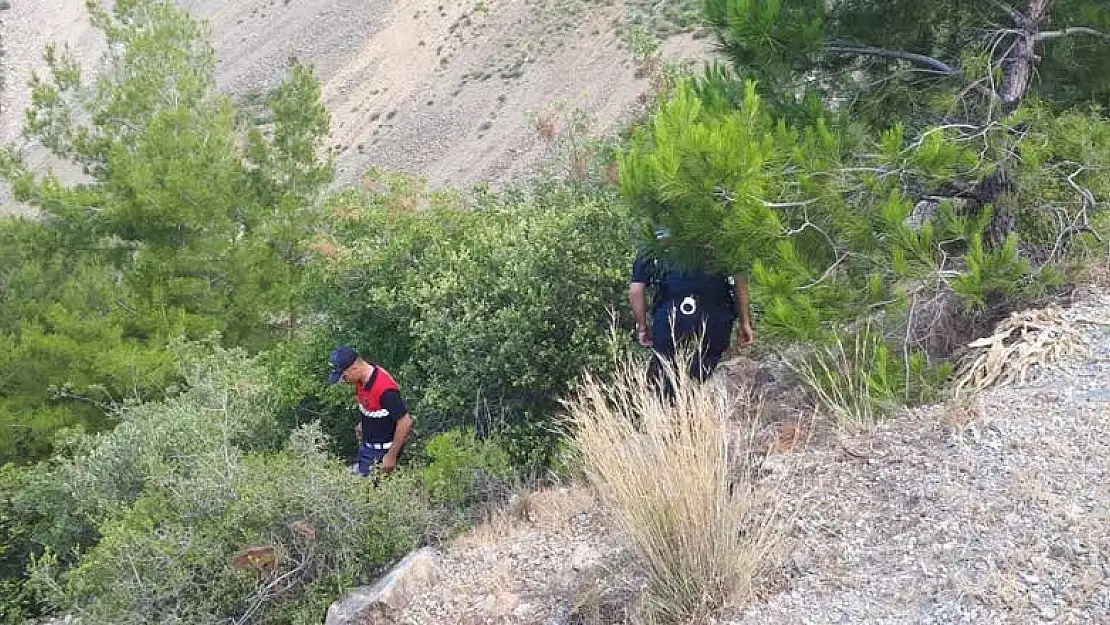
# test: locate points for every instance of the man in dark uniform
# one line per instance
(385, 423)
(688, 305)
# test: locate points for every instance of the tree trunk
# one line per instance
(1017, 74)
(1017, 68)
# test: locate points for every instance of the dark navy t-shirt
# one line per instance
(672, 283)
(379, 426)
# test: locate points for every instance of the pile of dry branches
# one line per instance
(1024, 340)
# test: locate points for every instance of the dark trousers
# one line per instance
(368, 456)
(701, 333)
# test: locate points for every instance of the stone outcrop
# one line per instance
(382, 602)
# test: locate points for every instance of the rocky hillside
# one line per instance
(458, 92)
(990, 510)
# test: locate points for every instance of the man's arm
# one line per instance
(393, 402)
(637, 298)
(744, 333)
(400, 435)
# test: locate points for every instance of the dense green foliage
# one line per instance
(474, 306)
(890, 161)
(176, 230)
(143, 524)
(71, 341)
(841, 50)
(461, 469)
(159, 519)
(886, 171)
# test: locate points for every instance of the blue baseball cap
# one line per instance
(344, 356)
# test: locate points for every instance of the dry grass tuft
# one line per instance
(545, 128)
(548, 509)
(842, 379)
(662, 473)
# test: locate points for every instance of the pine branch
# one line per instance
(1073, 30)
(936, 65)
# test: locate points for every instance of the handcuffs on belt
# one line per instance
(688, 306)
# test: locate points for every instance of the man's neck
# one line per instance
(370, 369)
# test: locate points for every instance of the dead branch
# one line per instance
(1068, 32)
(275, 587)
(938, 66)
(1011, 11)
(1089, 200)
(789, 204)
(1081, 224)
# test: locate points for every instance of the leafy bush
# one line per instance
(16, 602)
(461, 469)
(233, 542)
(485, 311)
(861, 383)
(193, 510)
(71, 342)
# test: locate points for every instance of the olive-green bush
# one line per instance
(154, 521)
(485, 310)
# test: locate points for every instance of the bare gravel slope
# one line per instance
(25, 30)
(446, 90)
(997, 511)
(991, 512)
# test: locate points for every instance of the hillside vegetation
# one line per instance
(893, 177)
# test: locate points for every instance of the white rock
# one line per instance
(382, 602)
(584, 558)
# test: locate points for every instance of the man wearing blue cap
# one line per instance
(385, 423)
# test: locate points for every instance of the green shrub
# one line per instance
(71, 342)
(538, 449)
(178, 554)
(148, 523)
(860, 383)
(462, 470)
(16, 548)
(485, 311)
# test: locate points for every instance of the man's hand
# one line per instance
(358, 432)
(745, 335)
(389, 462)
(645, 335)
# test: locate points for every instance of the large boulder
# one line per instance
(384, 601)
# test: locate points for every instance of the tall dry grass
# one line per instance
(840, 378)
(679, 486)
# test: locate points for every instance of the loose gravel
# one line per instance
(989, 510)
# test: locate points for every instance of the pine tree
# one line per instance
(860, 156)
(186, 223)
